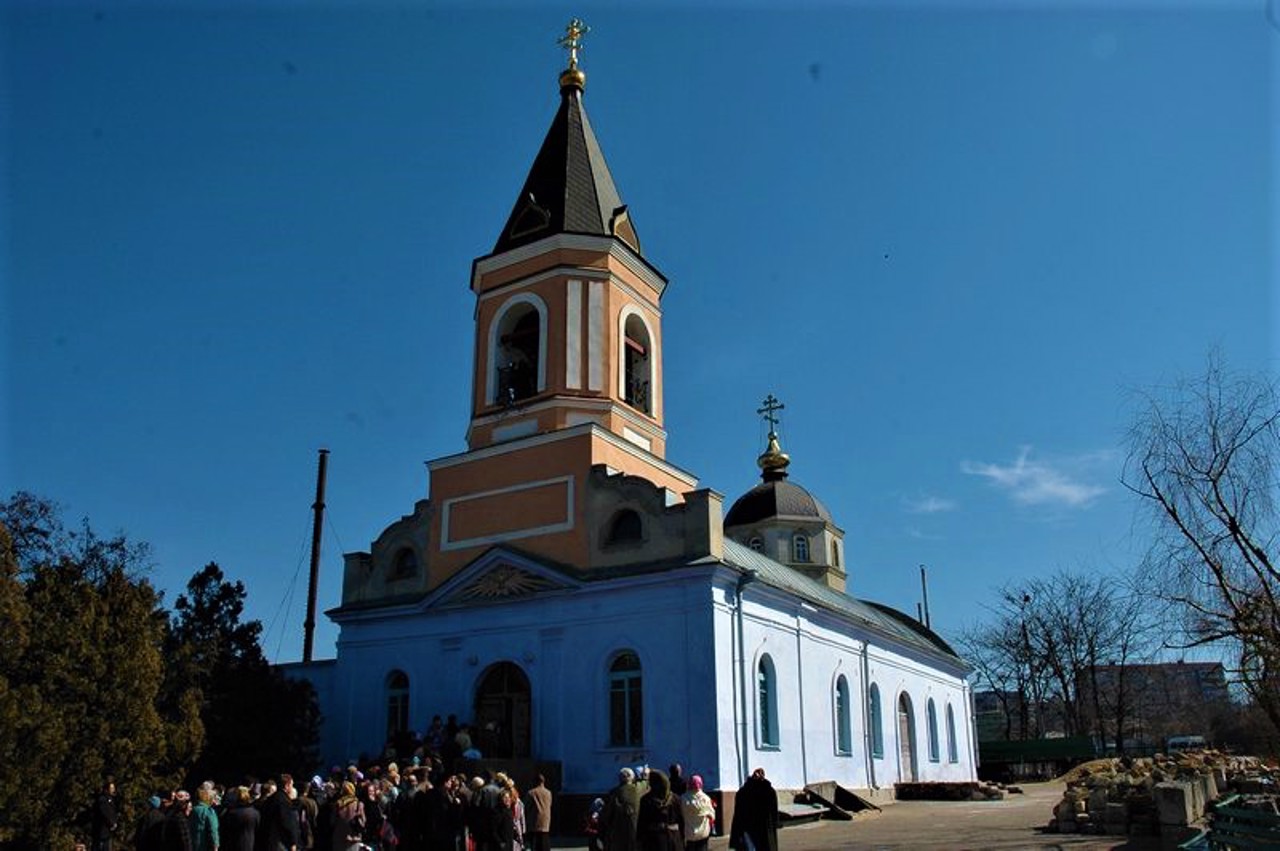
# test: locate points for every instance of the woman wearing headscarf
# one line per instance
(348, 820)
(699, 815)
(660, 826)
(621, 810)
(516, 806)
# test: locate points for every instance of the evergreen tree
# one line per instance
(257, 721)
(80, 676)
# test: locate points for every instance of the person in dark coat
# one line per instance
(239, 823)
(660, 825)
(149, 835)
(504, 823)
(676, 775)
(755, 815)
(176, 832)
(444, 816)
(104, 817)
(279, 826)
(621, 810)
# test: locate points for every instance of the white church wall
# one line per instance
(809, 650)
(665, 620)
(897, 671)
(683, 625)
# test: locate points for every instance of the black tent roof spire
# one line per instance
(569, 188)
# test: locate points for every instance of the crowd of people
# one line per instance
(428, 805)
(352, 810)
(650, 810)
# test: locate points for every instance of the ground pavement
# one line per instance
(1017, 822)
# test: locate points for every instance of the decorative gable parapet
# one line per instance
(632, 520)
(356, 569)
(397, 563)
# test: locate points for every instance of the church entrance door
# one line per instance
(906, 740)
(503, 715)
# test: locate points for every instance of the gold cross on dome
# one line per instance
(770, 411)
(572, 39)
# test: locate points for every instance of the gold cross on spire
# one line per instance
(572, 39)
(770, 412)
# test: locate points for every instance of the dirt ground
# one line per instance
(1017, 822)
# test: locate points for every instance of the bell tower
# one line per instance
(568, 316)
(567, 358)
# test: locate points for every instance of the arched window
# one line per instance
(397, 703)
(517, 351)
(835, 553)
(931, 714)
(877, 725)
(767, 692)
(756, 544)
(626, 526)
(953, 751)
(844, 729)
(626, 718)
(800, 547)
(907, 753)
(405, 565)
(637, 363)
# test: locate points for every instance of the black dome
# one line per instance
(779, 498)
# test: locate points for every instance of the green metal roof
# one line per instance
(873, 616)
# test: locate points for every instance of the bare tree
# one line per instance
(1001, 653)
(1044, 643)
(1203, 459)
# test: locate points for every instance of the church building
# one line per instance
(567, 584)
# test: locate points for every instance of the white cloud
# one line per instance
(928, 505)
(1037, 482)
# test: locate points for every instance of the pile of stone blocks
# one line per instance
(1155, 795)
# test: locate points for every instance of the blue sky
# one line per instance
(955, 239)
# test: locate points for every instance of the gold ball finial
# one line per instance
(572, 77)
(773, 461)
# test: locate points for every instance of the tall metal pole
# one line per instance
(924, 593)
(309, 626)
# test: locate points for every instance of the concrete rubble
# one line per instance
(1154, 795)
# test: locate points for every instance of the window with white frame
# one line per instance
(767, 700)
(953, 749)
(877, 723)
(931, 712)
(800, 547)
(637, 364)
(517, 350)
(397, 703)
(626, 716)
(844, 725)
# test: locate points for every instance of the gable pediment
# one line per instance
(499, 576)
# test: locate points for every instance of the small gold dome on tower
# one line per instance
(773, 461)
(572, 77)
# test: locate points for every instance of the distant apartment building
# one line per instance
(1152, 703)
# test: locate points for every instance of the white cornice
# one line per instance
(630, 448)
(614, 247)
(590, 403)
